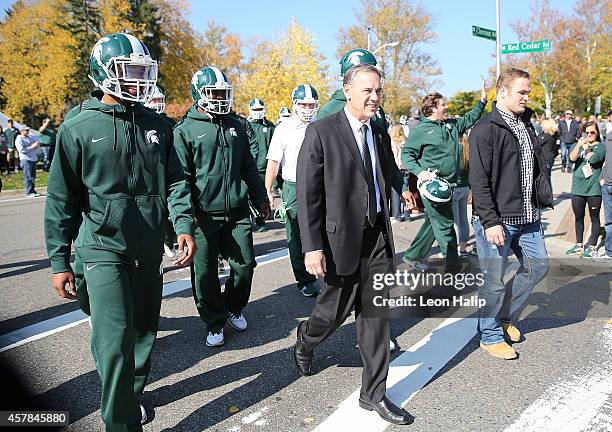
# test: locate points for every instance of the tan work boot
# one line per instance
(500, 350)
(511, 333)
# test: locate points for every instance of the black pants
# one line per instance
(579, 202)
(337, 298)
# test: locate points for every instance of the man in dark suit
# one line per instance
(345, 172)
(569, 132)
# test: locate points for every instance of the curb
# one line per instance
(12, 193)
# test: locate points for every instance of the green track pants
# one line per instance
(123, 302)
(438, 225)
(294, 242)
(233, 240)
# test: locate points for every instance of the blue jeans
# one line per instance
(503, 302)
(565, 151)
(47, 155)
(462, 226)
(606, 200)
(29, 175)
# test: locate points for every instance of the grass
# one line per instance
(15, 180)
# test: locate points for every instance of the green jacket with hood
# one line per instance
(263, 130)
(434, 144)
(113, 178)
(216, 155)
(337, 103)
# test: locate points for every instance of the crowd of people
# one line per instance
(125, 180)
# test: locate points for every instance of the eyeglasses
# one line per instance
(591, 132)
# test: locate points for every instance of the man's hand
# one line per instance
(410, 199)
(270, 198)
(63, 283)
(495, 235)
(186, 250)
(483, 92)
(264, 209)
(315, 263)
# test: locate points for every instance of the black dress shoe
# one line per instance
(388, 411)
(301, 357)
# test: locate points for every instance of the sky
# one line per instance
(462, 58)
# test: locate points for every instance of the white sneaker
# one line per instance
(143, 415)
(169, 252)
(238, 322)
(391, 345)
(215, 339)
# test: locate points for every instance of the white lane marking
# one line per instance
(21, 199)
(408, 373)
(579, 403)
(62, 322)
(254, 416)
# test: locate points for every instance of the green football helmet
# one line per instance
(283, 114)
(211, 90)
(356, 57)
(257, 109)
(305, 94)
(120, 65)
(437, 190)
(157, 101)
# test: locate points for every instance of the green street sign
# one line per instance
(525, 47)
(484, 33)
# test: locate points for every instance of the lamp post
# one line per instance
(369, 28)
(390, 44)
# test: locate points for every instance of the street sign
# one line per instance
(525, 47)
(484, 33)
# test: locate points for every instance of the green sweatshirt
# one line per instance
(263, 130)
(11, 134)
(114, 169)
(216, 156)
(588, 186)
(337, 103)
(435, 144)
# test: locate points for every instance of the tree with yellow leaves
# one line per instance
(409, 70)
(277, 68)
(37, 66)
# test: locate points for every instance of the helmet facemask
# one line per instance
(306, 114)
(158, 104)
(257, 113)
(211, 104)
(138, 72)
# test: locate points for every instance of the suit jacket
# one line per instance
(332, 192)
(569, 135)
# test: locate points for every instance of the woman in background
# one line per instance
(397, 142)
(588, 155)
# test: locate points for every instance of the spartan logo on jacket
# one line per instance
(152, 137)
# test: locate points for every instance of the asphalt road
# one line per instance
(562, 380)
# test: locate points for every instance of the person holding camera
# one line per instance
(588, 156)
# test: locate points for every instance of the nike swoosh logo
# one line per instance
(200, 136)
(96, 140)
(430, 132)
(89, 268)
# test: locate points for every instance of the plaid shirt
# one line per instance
(530, 211)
